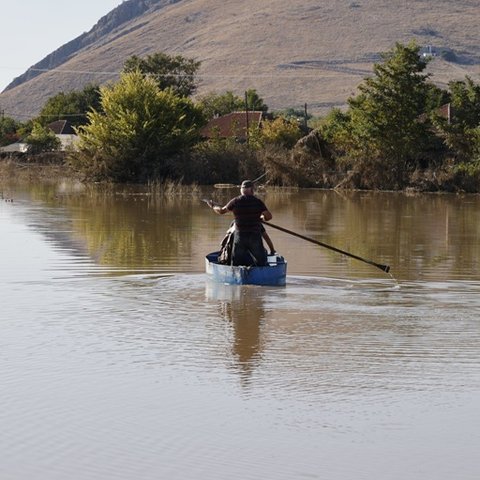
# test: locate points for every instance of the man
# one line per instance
(249, 211)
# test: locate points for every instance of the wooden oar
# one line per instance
(232, 185)
(385, 268)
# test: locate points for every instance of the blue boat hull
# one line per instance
(272, 274)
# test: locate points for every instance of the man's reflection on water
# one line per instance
(242, 306)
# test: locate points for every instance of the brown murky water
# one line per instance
(120, 360)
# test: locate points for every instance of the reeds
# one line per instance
(169, 188)
(15, 169)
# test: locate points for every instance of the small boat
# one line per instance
(274, 274)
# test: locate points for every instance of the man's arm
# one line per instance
(216, 207)
(220, 210)
(269, 242)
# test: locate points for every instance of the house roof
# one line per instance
(60, 127)
(232, 125)
(444, 111)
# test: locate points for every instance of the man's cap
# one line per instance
(247, 184)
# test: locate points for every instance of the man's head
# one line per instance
(247, 187)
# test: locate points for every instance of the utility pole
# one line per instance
(246, 118)
(306, 118)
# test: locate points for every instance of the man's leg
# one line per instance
(257, 250)
(240, 253)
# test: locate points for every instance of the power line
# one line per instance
(65, 115)
(299, 73)
(82, 72)
(296, 75)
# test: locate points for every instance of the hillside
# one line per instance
(291, 51)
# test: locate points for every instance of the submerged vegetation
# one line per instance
(399, 132)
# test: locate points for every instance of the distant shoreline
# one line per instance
(51, 167)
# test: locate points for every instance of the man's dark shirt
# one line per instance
(247, 210)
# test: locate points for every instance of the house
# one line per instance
(429, 52)
(444, 111)
(14, 147)
(61, 127)
(233, 124)
(64, 131)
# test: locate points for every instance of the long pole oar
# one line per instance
(385, 268)
(232, 185)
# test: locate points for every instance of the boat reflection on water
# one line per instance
(243, 309)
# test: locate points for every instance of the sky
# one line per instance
(31, 29)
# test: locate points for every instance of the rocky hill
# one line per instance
(291, 51)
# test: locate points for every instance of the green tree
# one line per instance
(214, 104)
(175, 72)
(42, 139)
(137, 129)
(294, 114)
(476, 146)
(25, 128)
(335, 129)
(280, 131)
(8, 131)
(460, 134)
(254, 101)
(72, 106)
(435, 98)
(386, 115)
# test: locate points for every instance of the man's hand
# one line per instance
(210, 203)
(266, 216)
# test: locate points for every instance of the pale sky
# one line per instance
(31, 29)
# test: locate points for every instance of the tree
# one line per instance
(214, 104)
(335, 130)
(25, 128)
(386, 132)
(461, 134)
(42, 139)
(435, 98)
(281, 132)
(175, 72)
(476, 146)
(72, 106)
(385, 118)
(254, 101)
(294, 114)
(8, 131)
(137, 129)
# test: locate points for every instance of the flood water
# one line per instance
(120, 360)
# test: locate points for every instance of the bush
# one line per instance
(216, 161)
(281, 131)
(138, 129)
(42, 139)
(297, 167)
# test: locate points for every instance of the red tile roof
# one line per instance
(232, 125)
(444, 111)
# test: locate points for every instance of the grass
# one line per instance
(14, 169)
(169, 188)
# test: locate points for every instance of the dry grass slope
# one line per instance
(292, 51)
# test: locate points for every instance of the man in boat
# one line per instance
(249, 212)
(226, 247)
